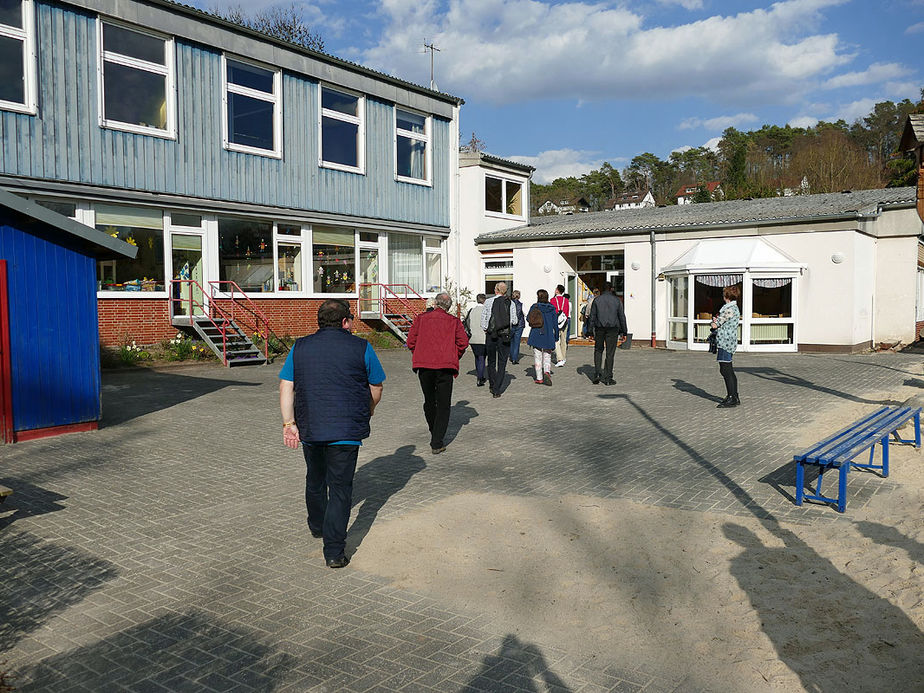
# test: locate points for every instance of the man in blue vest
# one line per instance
(328, 389)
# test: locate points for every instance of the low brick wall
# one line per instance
(147, 321)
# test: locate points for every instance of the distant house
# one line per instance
(913, 141)
(686, 192)
(577, 204)
(634, 199)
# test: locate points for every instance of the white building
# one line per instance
(493, 195)
(633, 199)
(832, 272)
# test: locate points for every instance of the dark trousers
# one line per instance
(498, 353)
(515, 337)
(478, 350)
(605, 337)
(731, 380)
(329, 492)
(436, 384)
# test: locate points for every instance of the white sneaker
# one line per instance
(559, 364)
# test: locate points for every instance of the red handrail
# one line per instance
(206, 312)
(382, 300)
(215, 285)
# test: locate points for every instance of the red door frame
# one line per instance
(6, 373)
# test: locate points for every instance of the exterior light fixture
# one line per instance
(837, 258)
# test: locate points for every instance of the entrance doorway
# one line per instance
(370, 298)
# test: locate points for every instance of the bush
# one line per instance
(381, 340)
(182, 348)
(276, 345)
(132, 354)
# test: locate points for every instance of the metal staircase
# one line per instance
(396, 305)
(229, 342)
(224, 329)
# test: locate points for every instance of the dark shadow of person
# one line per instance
(459, 415)
(587, 371)
(881, 534)
(520, 666)
(374, 483)
(692, 389)
(826, 627)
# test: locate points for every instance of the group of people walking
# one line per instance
(331, 381)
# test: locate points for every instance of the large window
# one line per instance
(503, 196)
(342, 130)
(245, 254)
(253, 108)
(141, 227)
(334, 260)
(433, 271)
(17, 56)
(136, 88)
(412, 146)
(405, 260)
(289, 265)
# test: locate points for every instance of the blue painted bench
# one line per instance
(838, 451)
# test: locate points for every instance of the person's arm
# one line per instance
(592, 318)
(461, 338)
(287, 407)
(486, 309)
(412, 334)
(375, 393)
(621, 317)
(513, 314)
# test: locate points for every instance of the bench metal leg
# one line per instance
(800, 482)
(917, 429)
(885, 456)
(842, 488)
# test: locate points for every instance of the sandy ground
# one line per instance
(725, 603)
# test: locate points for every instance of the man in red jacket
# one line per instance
(437, 340)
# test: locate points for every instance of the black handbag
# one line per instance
(712, 341)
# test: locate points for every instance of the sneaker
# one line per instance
(540, 382)
(559, 364)
(547, 379)
(339, 562)
(481, 383)
(437, 451)
(595, 380)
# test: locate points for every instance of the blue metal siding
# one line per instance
(54, 338)
(64, 142)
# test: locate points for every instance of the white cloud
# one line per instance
(681, 150)
(561, 163)
(713, 144)
(685, 4)
(915, 28)
(720, 123)
(509, 51)
(856, 109)
(802, 122)
(874, 74)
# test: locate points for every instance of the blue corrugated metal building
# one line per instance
(49, 340)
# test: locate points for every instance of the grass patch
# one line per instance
(381, 340)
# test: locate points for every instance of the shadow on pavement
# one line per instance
(825, 612)
(130, 395)
(692, 389)
(39, 579)
(778, 376)
(28, 500)
(374, 483)
(460, 415)
(520, 666)
(174, 652)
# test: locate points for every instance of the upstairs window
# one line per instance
(136, 81)
(252, 108)
(503, 196)
(17, 56)
(412, 146)
(342, 131)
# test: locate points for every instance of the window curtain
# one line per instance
(405, 260)
(722, 280)
(772, 283)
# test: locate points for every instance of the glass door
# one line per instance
(370, 291)
(679, 311)
(186, 254)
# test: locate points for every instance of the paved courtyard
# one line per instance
(168, 551)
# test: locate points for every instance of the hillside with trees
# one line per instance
(771, 161)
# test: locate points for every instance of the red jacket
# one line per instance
(437, 340)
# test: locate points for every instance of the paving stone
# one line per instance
(168, 550)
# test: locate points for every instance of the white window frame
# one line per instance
(89, 218)
(275, 98)
(26, 35)
(425, 138)
(303, 241)
(428, 251)
(359, 119)
(524, 202)
(168, 70)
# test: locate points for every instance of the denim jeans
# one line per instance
(329, 492)
(498, 353)
(515, 337)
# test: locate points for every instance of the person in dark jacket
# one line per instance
(608, 320)
(516, 331)
(437, 340)
(543, 339)
(329, 387)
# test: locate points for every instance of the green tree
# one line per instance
(702, 195)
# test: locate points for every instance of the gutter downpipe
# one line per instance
(654, 286)
(455, 207)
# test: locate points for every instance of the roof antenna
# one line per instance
(433, 49)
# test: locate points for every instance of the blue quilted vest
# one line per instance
(331, 386)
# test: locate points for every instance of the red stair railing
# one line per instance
(387, 292)
(206, 311)
(256, 315)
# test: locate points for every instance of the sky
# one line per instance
(565, 86)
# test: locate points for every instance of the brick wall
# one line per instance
(147, 321)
